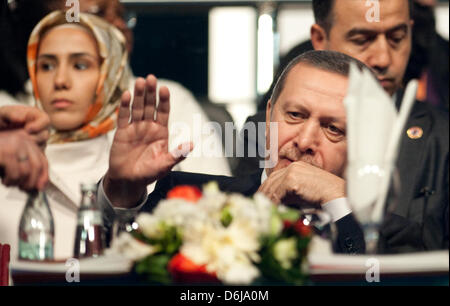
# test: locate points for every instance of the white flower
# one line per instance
(257, 213)
(177, 212)
(212, 205)
(211, 189)
(264, 206)
(222, 249)
(239, 274)
(149, 225)
(229, 251)
(285, 251)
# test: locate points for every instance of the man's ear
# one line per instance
(318, 37)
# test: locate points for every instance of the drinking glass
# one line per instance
(365, 202)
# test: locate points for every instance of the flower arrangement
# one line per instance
(214, 237)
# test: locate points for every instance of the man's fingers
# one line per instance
(124, 110)
(169, 160)
(162, 115)
(12, 172)
(33, 119)
(37, 122)
(269, 190)
(23, 161)
(150, 98)
(41, 138)
(264, 188)
(137, 112)
(12, 116)
(272, 184)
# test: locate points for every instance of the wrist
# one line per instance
(123, 193)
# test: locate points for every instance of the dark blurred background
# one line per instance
(173, 46)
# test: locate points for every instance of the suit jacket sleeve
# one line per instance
(350, 238)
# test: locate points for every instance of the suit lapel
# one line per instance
(411, 154)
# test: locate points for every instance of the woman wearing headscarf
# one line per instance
(78, 71)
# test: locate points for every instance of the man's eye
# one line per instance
(397, 39)
(360, 41)
(81, 66)
(296, 115)
(334, 133)
(335, 130)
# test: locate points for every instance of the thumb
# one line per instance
(174, 157)
(181, 152)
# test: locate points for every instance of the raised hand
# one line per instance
(139, 153)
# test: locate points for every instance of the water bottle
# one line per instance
(36, 230)
(89, 237)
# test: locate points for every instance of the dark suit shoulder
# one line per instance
(434, 121)
(423, 172)
(426, 109)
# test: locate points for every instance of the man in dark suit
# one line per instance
(384, 44)
(420, 221)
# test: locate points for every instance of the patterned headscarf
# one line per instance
(102, 115)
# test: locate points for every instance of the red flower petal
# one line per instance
(302, 229)
(287, 224)
(184, 270)
(185, 192)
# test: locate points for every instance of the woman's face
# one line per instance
(68, 71)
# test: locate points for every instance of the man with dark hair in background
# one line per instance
(385, 46)
(429, 60)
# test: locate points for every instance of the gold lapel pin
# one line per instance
(414, 132)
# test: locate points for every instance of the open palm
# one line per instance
(139, 153)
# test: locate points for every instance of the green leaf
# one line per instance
(289, 214)
(272, 270)
(169, 243)
(154, 268)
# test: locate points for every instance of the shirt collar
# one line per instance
(263, 176)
